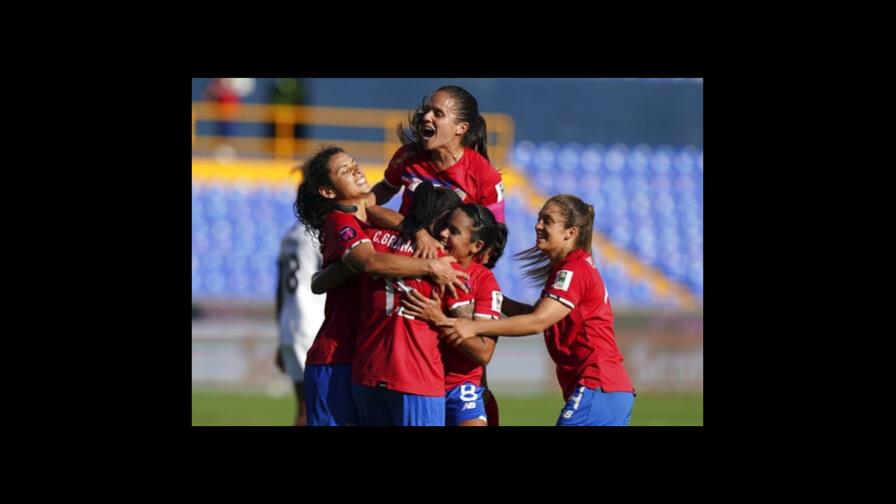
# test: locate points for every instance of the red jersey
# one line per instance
(582, 344)
(394, 350)
(473, 179)
(335, 341)
(459, 367)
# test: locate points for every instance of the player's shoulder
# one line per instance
(576, 267)
(338, 217)
(480, 273)
(481, 165)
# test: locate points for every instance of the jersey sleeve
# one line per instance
(395, 168)
(492, 191)
(488, 297)
(343, 233)
(567, 285)
(450, 302)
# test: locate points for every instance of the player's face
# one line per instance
(346, 177)
(456, 236)
(551, 233)
(439, 126)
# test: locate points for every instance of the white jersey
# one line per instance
(302, 312)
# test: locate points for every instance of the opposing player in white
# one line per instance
(299, 312)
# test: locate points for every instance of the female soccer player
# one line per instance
(575, 314)
(472, 235)
(331, 202)
(446, 143)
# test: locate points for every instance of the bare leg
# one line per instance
(301, 418)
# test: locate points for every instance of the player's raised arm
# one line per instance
(381, 193)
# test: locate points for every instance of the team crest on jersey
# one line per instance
(497, 300)
(347, 233)
(564, 277)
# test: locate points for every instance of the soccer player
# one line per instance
(446, 145)
(398, 372)
(331, 202)
(472, 236)
(299, 312)
(575, 314)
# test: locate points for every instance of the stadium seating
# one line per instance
(647, 200)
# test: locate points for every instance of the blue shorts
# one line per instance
(381, 406)
(463, 403)
(328, 395)
(591, 407)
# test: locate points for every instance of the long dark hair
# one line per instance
(466, 109)
(486, 228)
(310, 207)
(576, 213)
(430, 208)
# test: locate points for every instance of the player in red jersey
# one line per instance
(331, 202)
(446, 144)
(575, 314)
(472, 235)
(396, 373)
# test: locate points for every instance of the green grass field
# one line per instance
(221, 408)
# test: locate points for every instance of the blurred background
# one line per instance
(631, 147)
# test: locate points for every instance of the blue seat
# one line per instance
(546, 153)
(568, 158)
(661, 160)
(615, 158)
(523, 153)
(591, 159)
(567, 182)
(686, 159)
(638, 161)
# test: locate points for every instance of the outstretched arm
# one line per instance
(364, 258)
(547, 313)
(510, 307)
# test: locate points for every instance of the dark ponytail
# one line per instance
(476, 137)
(430, 207)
